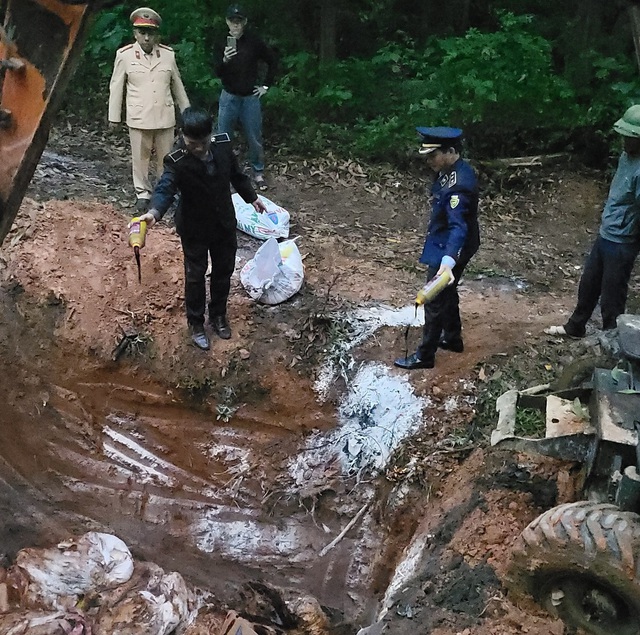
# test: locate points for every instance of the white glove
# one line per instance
(148, 218)
(260, 91)
(229, 52)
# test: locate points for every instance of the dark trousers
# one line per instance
(222, 252)
(606, 275)
(441, 315)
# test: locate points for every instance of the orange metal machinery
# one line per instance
(39, 42)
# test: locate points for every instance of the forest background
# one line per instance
(520, 76)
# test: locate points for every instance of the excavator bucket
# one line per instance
(39, 42)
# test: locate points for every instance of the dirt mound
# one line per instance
(195, 458)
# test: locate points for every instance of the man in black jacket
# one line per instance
(238, 68)
(202, 167)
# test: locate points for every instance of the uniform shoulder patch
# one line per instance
(165, 47)
(125, 48)
(176, 155)
(221, 137)
(454, 201)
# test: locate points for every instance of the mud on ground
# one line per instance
(190, 457)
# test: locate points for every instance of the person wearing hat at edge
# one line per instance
(149, 73)
(608, 266)
(202, 167)
(238, 66)
(453, 237)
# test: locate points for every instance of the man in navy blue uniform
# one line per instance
(453, 237)
(202, 167)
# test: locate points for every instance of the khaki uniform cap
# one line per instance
(145, 18)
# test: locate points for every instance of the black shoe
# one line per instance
(412, 362)
(199, 337)
(456, 345)
(221, 326)
(142, 205)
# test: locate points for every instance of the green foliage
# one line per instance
(503, 83)
(530, 423)
(502, 78)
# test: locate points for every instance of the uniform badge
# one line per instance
(453, 179)
(454, 201)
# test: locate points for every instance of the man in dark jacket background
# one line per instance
(453, 237)
(202, 167)
(238, 66)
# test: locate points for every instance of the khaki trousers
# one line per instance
(142, 143)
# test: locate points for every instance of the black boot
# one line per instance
(199, 336)
(221, 326)
(413, 362)
(455, 344)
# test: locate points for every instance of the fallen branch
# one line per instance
(526, 162)
(344, 532)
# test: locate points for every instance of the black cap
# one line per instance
(438, 137)
(236, 11)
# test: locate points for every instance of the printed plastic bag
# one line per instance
(274, 223)
(275, 273)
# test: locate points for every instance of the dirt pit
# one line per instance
(293, 456)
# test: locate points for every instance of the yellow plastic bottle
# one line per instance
(434, 286)
(137, 236)
(137, 232)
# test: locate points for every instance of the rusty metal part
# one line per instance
(40, 40)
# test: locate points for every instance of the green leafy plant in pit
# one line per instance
(197, 388)
(227, 404)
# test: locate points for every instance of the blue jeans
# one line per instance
(246, 110)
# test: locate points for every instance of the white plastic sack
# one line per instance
(275, 273)
(274, 223)
(93, 562)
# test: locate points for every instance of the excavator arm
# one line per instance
(40, 41)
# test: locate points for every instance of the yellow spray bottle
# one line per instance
(137, 235)
(434, 286)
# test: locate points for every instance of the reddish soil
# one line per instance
(222, 425)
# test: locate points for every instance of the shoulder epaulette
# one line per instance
(125, 48)
(176, 155)
(221, 137)
(164, 46)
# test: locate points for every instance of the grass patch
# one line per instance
(197, 388)
(530, 422)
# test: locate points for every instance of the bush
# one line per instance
(500, 86)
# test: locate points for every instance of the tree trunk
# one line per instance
(634, 13)
(328, 13)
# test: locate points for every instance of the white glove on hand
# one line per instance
(447, 264)
(229, 53)
(260, 91)
(148, 218)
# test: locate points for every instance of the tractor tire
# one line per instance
(581, 562)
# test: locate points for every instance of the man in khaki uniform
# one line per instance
(149, 72)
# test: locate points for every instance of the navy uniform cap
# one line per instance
(436, 138)
(236, 11)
